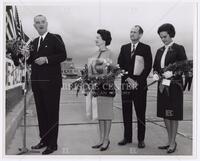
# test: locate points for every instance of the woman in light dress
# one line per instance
(104, 95)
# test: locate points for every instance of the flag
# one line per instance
(19, 29)
(17, 24)
(23, 35)
(15, 35)
(13, 25)
(10, 24)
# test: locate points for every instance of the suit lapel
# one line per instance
(169, 55)
(43, 43)
(36, 41)
(129, 50)
(161, 52)
(137, 48)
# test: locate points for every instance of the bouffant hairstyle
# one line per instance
(167, 27)
(105, 35)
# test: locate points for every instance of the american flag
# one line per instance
(14, 28)
(17, 24)
(10, 24)
(23, 35)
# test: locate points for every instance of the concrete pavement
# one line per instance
(77, 133)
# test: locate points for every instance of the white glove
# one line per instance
(132, 83)
(155, 77)
(168, 74)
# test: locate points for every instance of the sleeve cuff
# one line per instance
(46, 60)
(155, 72)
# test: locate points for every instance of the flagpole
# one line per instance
(24, 149)
(14, 31)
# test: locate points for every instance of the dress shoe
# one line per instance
(141, 144)
(97, 146)
(169, 150)
(106, 147)
(39, 146)
(163, 147)
(124, 142)
(49, 150)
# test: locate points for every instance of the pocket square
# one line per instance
(46, 46)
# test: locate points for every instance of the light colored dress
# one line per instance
(100, 107)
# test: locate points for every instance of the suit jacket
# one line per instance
(175, 53)
(53, 48)
(173, 99)
(127, 63)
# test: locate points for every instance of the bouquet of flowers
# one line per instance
(18, 50)
(100, 73)
(82, 82)
(184, 67)
(180, 67)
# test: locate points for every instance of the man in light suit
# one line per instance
(137, 93)
(46, 80)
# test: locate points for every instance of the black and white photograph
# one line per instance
(100, 78)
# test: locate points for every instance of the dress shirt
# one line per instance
(43, 37)
(135, 45)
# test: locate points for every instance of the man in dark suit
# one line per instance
(48, 51)
(133, 84)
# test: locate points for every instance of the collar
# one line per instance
(103, 50)
(44, 35)
(135, 45)
(170, 44)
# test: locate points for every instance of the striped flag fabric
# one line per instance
(14, 35)
(17, 24)
(13, 25)
(10, 24)
(23, 35)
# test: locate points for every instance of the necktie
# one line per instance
(133, 51)
(41, 40)
(40, 43)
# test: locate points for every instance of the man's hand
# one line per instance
(132, 83)
(156, 77)
(41, 60)
(168, 74)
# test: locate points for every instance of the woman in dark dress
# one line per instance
(169, 94)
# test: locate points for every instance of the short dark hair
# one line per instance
(40, 16)
(169, 28)
(105, 35)
(140, 29)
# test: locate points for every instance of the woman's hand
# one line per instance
(168, 74)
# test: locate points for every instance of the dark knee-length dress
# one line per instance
(170, 99)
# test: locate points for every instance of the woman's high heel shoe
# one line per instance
(105, 148)
(97, 146)
(169, 150)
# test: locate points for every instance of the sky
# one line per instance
(78, 21)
